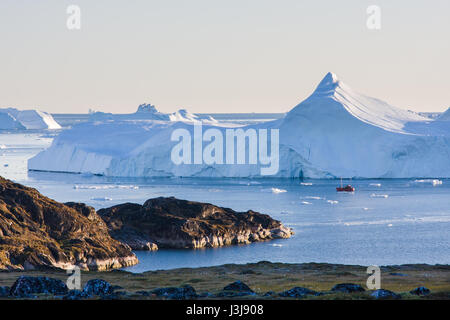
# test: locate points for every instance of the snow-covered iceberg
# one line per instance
(149, 112)
(335, 132)
(444, 116)
(11, 118)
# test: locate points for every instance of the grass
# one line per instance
(265, 276)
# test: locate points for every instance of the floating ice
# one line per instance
(373, 195)
(434, 182)
(313, 197)
(306, 202)
(104, 187)
(375, 184)
(276, 190)
(11, 118)
(333, 201)
(306, 183)
(102, 199)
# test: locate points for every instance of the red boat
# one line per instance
(347, 188)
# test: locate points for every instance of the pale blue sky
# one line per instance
(220, 56)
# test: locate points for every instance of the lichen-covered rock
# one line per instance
(421, 291)
(347, 288)
(38, 232)
(384, 294)
(98, 287)
(27, 286)
(297, 292)
(183, 293)
(174, 223)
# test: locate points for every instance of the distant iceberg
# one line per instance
(14, 119)
(147, 111)
(334, 133)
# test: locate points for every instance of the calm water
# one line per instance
(384, 222)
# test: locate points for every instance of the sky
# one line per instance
(211, 56)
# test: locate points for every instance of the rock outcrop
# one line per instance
(38, 232)
(174, 223)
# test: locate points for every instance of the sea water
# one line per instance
(385, 222)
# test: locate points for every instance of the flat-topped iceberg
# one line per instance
(335, 132)
(11, 118)
(149, 112)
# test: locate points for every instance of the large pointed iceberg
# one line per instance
(335, 132)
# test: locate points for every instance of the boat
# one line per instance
(347, 188)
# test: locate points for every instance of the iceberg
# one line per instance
(11, 118)
(147, 111)
(336, 132)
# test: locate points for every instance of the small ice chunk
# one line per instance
(373, 195)
(375, 184)
(102, 199)
(306, 202)
(332, 201)
(306, 183)
(276, 190)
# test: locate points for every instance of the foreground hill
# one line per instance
(37, 232)
(336, 132)
(262, 280)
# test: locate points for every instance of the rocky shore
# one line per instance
(174, 223)
(37, 232)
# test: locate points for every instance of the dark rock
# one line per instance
(98, 287)
(144, 293)
(421, 291)
(384, 294)
(37, 232)
(398, 274)
(347, 288)
(238, 286)
(76, 295)
(4, 291)
(269, 294)
(174, 223)
(297, 292)
(206, 295)
(183, 293)
(233, 294)
(27, 286)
